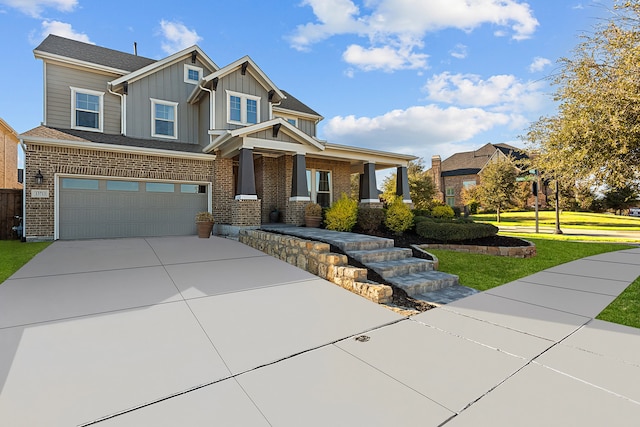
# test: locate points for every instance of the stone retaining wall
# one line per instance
(316, 258)
(514, 252)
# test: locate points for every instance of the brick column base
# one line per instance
(295, 212)
(246, 213)
(373, 205)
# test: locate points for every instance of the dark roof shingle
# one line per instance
(91, 53)
(294, 104)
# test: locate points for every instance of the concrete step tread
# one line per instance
(380, 255)
(426, 281)
(400, 267)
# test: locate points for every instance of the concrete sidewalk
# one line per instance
(186, 331)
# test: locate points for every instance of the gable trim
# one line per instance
(163, 63)
(45, 56)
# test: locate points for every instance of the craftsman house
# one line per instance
(462, 170)
(131, 146)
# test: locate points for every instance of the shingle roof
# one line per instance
(91, 53)
(102, 138)
(465, 163)
(294, 104)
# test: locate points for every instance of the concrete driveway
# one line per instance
(187, 331)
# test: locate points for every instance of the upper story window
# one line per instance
(291, 120)
(242, 109)
(164, 123)
(192, 74)
(87, 107)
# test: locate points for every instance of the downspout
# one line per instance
(23, 238)
(123, 109)
(212, 110)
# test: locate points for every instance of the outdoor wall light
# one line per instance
(39, 177)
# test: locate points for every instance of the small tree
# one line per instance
(497, 184)
(421, 186)
(470, 198)
(619, 199)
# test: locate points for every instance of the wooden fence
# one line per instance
(10, 207)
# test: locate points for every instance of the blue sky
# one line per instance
(421, 77)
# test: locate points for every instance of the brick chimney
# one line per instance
(436, 170)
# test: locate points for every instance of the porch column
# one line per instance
(246, 185)
(402, 184)
(368, 186)
(299, 188)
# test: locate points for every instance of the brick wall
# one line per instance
(223, 190)
(8, 159)
(316, 258)
(456, 183)
(245, 213)
(52, 160)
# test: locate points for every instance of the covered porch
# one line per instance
(274, 165)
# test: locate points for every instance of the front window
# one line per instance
(87, 109)
(242, 109)
(164, 119)
(451, 197)
(319, 187)
(468, 184)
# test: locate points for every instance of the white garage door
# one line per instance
(104, 208)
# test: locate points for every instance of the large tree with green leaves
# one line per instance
(596, 132)
(421, 186)
(497, 184)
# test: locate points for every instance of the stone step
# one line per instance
(379, 255)
(400, 267)
(423, 282)
(364, 244)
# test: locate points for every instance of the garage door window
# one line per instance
(193, 188)
(159, 187)
(80, 184)
(122, 186)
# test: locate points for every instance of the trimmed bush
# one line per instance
(370, 219)
(444, 211)
(457, 212)
(454, 231)
(342, 215)
(399, 217)
(421, 213)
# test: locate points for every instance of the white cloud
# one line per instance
(500, 92)
(420, 126)
(460, 51)
(59, 29)
(396, 27)
(177, 36)
(539, 64)
(35, 7)
(384, 58)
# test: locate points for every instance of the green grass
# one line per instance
(484, 272)
(572, 238)
(625, 309)
(578, 220)
(14, 254)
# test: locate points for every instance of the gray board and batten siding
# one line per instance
(247, 85)
(168, 85)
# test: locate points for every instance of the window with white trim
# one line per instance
(451, 196)
(319, 187)
(242, 109)
(192, 74)
(164, 119)
(291, 120)
(86, 109)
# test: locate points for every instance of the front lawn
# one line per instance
(14, 254)
(484, 272)
(576, 220)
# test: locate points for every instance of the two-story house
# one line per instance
(131, 146)
(463, 170)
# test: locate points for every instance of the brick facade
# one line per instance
(52, 160)
(8, 158)
(457, 183)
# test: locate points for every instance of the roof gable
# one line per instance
(477, 159)
(56, 46)
(163, 63)
(291, 103)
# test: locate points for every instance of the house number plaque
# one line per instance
(40, 194)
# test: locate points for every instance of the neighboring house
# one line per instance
(131, 146)
(8, 157)
(463, 170)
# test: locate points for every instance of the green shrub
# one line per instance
(443, 211)
(399, 217)
(457, 211)
(370, 219)
(342, 215)
(421, 212)
(454, 231)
